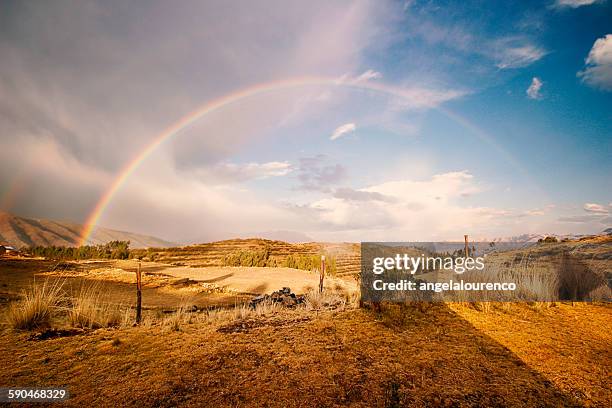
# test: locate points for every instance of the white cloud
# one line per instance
(515, 51)
(595, 208)
(598, 69)
(343, 130)
(574, 3)
(518, 56)
(533, 92)
(368, 75)
(405, 209)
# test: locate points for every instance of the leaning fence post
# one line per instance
(322, 275)
(138, 294)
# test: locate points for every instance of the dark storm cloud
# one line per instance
(86, 85)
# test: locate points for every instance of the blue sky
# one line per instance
(507, 129)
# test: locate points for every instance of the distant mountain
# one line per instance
(20, 232)
(527, 238)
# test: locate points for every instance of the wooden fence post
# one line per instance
(467, 251)
(138, 294)
(322, 275)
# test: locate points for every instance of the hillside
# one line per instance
(20, 232)
(346, 255)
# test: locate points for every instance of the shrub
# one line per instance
(316, 300)
(36, 307)
(249, 258)
(90, 311)
(310, 263)
(576, 280)
(175, 321)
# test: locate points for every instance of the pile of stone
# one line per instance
(283, 296)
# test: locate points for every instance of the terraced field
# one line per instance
(345, 255)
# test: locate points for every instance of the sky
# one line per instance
(431, 119)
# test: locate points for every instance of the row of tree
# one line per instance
(110, 250)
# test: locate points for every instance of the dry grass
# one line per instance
(267, 308)
(37, 306)
(316, 300)
(535, 281)
(579, 282)
(91, 310)
(176, 320)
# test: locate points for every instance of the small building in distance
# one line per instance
(7, 249)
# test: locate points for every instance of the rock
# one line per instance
(283, 296)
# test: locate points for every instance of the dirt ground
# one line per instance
(354, 357)
(164, 286)
(425, 355)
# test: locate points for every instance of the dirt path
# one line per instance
(256, 280)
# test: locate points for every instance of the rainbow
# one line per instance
(216, 104)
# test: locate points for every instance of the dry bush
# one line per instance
(600, 294)
(213, 316)
(576, 279)
(316, 300)
(128, 317)
(182, 316)
(243, 312)
(36, 307)
(267, 307)
(352, 299)
(534, 282)
(91, 310)
(175, 321)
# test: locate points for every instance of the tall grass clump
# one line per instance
(315, 300)
(577, 281)
(90, 310)
(36, 307)
(175, 321)
(267, 307)
(243, 312)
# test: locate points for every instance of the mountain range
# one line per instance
(22, 232)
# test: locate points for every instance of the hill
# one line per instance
(20, 231)
(345, 255)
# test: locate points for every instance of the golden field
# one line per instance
(199, 346)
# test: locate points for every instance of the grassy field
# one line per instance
(437, 357)
(199, 346)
